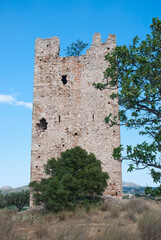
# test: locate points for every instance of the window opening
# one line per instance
(42, 124)
(64, 79)
(59, 118)
(93, 117)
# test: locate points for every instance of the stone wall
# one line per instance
(68, 111)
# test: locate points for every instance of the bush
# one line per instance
(76, 178)
(115, 233)
(150, 225)
(153, 192)
(18, 199)
(2, 200)
(115, 211)
(136, 206)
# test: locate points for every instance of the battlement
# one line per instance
(51, 46)
(48, 46)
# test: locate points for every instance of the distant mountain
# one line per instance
(8, 189)
(130, 185)
(126, 186)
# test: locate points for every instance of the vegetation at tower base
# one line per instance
(136, 71)
(75, 49)
(76, 178)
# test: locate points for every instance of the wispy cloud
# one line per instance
(13, 101)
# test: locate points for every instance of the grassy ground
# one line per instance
(133, 219)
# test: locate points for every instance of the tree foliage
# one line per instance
(75, 49)
(19, 199)
(2, 200)
(136, 71)
(153, 191)
(76, 178)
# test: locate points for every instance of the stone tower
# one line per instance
(68, 111)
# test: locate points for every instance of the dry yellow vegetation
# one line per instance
(132, 219)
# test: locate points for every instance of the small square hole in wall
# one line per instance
(64, 79)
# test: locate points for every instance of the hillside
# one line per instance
(8, 189)
(128, 187)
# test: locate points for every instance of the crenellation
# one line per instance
(72, 108)
(47, 47)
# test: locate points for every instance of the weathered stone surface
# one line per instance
(68, 111)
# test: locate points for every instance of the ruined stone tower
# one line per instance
(68, 111)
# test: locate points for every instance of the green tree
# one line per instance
(76, 178)
(75, 49)
(2, 200)
(19, 199)
(136, 71)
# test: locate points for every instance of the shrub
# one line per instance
(150, 225)
(105, 206)
(75, 49)
(19, 199)
(153, 192)
(136, 206)
(115, 233)
(2, 200)
(131, 216)
(6, 224)
(114, 210)
(76, 178)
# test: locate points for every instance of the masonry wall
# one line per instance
(68, 111)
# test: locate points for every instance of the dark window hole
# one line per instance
(64, 79)
(39, 145)
(108, 48)
(114, 131)
(36, 166)
(38, 156)
(108, 102)
(63, 145)
(93, 117)
(75, 134)
(59, 118)
(42, 124)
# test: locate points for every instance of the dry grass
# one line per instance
(136, 206)
(107, 222)
(150, 225)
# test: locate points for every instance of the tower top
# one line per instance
(51, 46)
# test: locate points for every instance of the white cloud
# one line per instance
(25, 104)
(12, 100)
(7, 99)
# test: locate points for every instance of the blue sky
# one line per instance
(21, 22)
